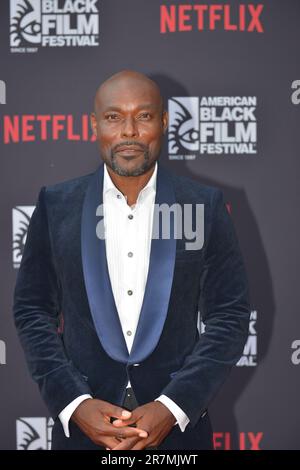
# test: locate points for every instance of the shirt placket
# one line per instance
(129, 284)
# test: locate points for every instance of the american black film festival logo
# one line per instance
(53, 23)
(249, 356)
(21, 216)
(212, 125)
(34, 433)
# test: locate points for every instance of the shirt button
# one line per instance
(129, 292)
(119, 196)
(130, 216)
(129, 333)
(130, 254)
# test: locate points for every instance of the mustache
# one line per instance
(128, 143)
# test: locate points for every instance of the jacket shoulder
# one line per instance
(189, 188)
(69, 190)
(69, 185)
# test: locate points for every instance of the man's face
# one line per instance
(129, 126)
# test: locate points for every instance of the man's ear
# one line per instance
(93, 120)
(165, 120)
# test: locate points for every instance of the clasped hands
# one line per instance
(144, 427)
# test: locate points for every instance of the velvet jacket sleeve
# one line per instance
(225, 311)
(36, 307)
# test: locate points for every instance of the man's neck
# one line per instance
(130, 186)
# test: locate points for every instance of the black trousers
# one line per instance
(130, 402)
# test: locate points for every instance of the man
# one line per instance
(129, 300)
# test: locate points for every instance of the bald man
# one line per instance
(127, 367)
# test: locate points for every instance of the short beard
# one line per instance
(145, 166)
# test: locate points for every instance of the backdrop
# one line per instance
(229, 72)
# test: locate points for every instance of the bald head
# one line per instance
(127, 81)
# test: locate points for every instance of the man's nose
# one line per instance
(129, 128)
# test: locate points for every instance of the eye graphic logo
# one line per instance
(183, 125)
(25, 22)
(34, 433)
(212, 125)
(20, 217)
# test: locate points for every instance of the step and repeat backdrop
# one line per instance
(230, 75)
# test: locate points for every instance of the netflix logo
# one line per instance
(201, 17)
(45, 127)
(243, 441)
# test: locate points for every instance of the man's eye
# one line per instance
(145, 115)
(111, 117)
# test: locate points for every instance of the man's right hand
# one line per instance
(92, 416)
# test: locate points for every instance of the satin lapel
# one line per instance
(96, 275)
(159, 281)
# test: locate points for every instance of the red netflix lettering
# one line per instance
(56, 126)
(255, 440)
(255, 11)
(85, 128)
(227, 25)
(11, 128)
(180, 18)
(183, 17)
(71, 135)
(167, 18)
(26, 128)
(200, 11)
(43, 120)
(30, 128)
(242, 17)
(246, 440)
(213, 17)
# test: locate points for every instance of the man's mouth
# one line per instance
(129, 149)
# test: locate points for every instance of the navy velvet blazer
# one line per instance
(64, 273)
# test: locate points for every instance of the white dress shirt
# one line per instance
(128, 244)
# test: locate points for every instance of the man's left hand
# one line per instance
(154, 418)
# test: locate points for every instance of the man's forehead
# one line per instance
(126, 92)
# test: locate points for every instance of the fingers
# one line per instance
(125, 432)
(123, 422)
(140, 445)
(126, 444)
(110, 442)
(115, 411)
